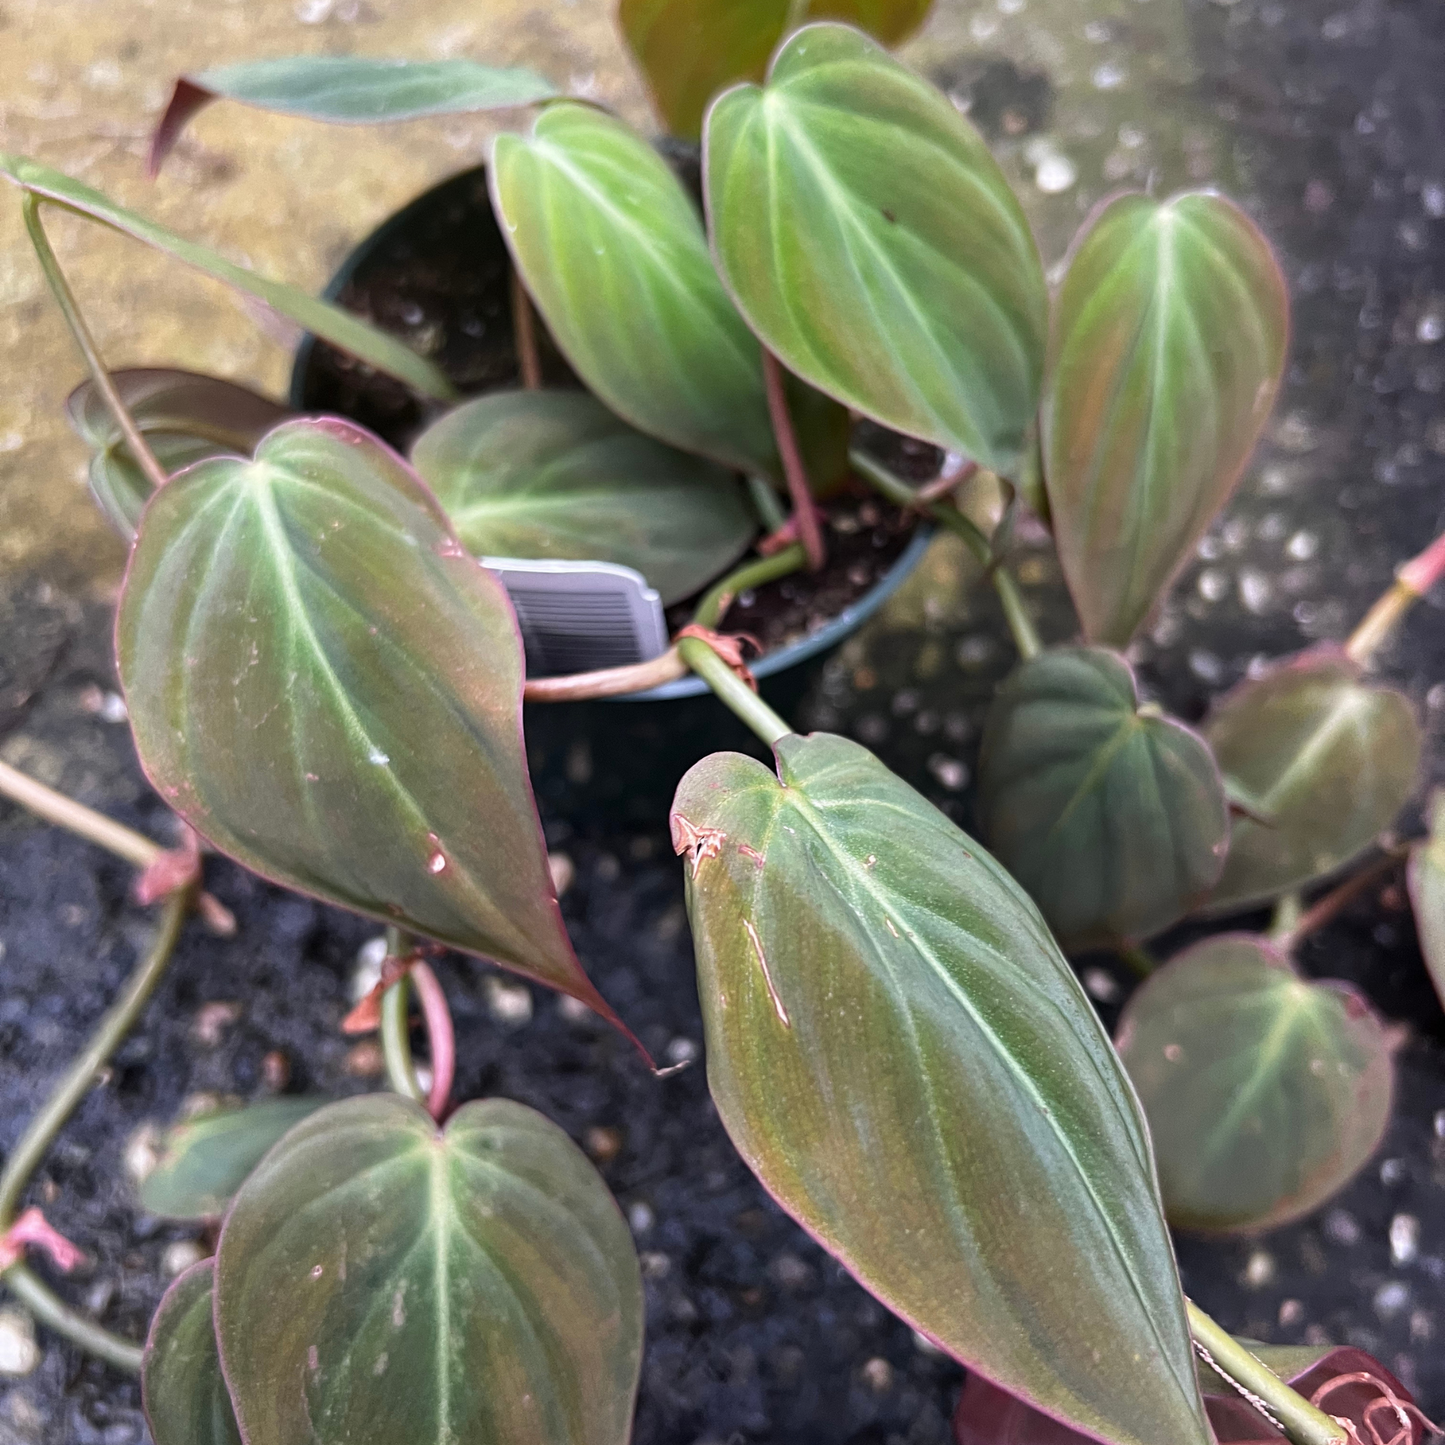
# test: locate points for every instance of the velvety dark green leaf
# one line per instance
(383, 1282)
(613, 252)
(349, 90)
(690, 49)
(1168, 344)
(1112, 816)
(1325, 761)
(181, 1384)
(327, 321)
(324, 683)
(1426, 875)
(555, 474)
(205, 1160)
(904, 1058)
(1265, 1093)
(184, 416)
(874, 245)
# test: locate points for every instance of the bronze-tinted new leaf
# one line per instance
(1167, 347)
(1323, 760)
(904, 1058)
(690, 49)
(1265, 1093)
(325, 684)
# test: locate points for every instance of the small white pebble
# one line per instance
(1340, 1227)
(1259, 1270)
(682, 1051)
(1255, 590)
(19, 1354)
(1404, 1238)
(925, 1346)
(1101, 984)
(950, 772)
(1391, 1298)
(367, 973)
(574, 1010)
(563, 872)
(640, 1217)
(113, 709)
(1055, 173)
(655, 1265)
(142, 1153)
(508, 1003)
(1291, 1312)
(180, 1256)
(878, 1375)
(1392, 1171)
(1213, 584)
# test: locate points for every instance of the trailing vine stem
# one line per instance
(1294, 931)
(69, 308)
(732, 690)
(396, 1028)
(134, 848)
(524, 334)
(69, 1090)
(669, 667)
(1411, 583)
(899, 492)
(805, 514)
(1302, 1422)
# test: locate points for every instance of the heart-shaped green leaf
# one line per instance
(1168, 344)
(184, 416)
(324, 683)
(181, 1383)
(384, 1282)
(327, 321)
(1265, 1093)
(1112, 816)
(690, 49)
(349, 90)
(1426, 877)
(906, 1061)
(555, 474)
(205, 1160)
(613, 252)
(873, 243)
(1324, 762)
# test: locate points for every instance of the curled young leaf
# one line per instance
(690, 49)
(385, 1282)
(1167, 348)
(904, 1058)
(1325, 762)
(1426, 880)
(1358, 1388)
(324, 684)
(1112, 816)
(184, 416)
(555, 474)
(182, 1387)
(875, 246)
(205, 1160)
(613, 252)
(349, 90)
(1265, 1093)
(326, 320)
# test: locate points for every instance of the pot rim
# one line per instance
(833, 632)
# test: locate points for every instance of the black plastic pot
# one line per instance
(614, 761)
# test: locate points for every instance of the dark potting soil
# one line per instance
(1337, 127)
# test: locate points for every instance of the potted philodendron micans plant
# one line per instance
(325, 683)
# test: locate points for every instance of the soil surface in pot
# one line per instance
(1335, 123)
(439, 276)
